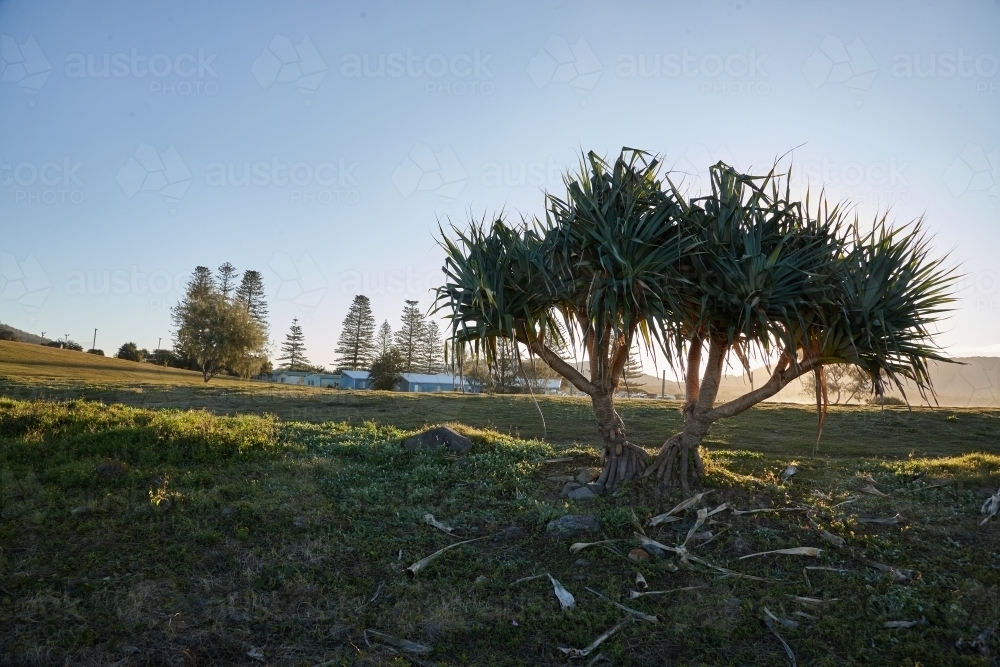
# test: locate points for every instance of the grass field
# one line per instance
(271, 525)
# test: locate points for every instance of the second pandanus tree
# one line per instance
(593, 274)
(800, 288)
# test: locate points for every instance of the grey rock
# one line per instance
(596, 488)
(587, 475)
(440, 436)
(300, 522)
(581, 562)
(573, 524)
(583, 493)
(569, 488)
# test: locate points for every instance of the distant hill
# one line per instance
(36, 363)
(972, 382)
(23, 336)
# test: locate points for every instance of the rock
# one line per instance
(441, 436)
(581, 562)
(227, 512)
(638, 555)
(587, 475)
(583, 493)
(573, 524)
(596, 488)
(300, 522)
(570, 488)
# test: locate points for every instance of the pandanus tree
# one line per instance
(745, 271)
(593, 271)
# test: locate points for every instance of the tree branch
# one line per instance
(784, 372)
(559, 365)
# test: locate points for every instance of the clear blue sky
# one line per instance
(127, 130)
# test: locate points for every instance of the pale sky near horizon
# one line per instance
(321, 143)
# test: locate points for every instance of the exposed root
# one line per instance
(677, 464)
(620, 467)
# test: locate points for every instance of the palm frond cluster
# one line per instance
(624, 253)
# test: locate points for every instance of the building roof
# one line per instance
(355, 375)
(438, 378)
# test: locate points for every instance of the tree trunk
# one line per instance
(623, 460)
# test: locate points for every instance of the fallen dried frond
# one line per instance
(795, 551)
(788, 649)
(665, 517)
(566, 599)
(639, 594)
(404, 644)
(772, 509)
(577, 547)
(424, 562)
(584, 652)
(891, 521)
(787, 622)
(904, 624)
(635, 612)
(990, 507)
(811, 601)
(872, 491)
(430, 520)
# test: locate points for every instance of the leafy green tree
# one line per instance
(386, 370)
(215, 333)
(745, 269)
(356, 347)
(99, 353)
(7, 334)
(409, 336)
(841, 379)
(293, 350)
(164, 358)
(131, 352)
